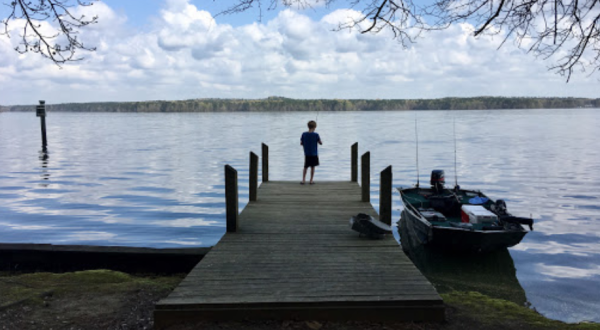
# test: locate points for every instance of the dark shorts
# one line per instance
(310, 161)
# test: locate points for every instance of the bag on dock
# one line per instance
(368, 226)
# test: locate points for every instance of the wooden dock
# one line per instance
(294, 256)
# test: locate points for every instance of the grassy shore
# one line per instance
(103, 299)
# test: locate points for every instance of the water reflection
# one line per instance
(492, 274)
(44, 156)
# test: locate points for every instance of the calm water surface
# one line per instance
(156, 180)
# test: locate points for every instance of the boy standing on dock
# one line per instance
(309, 141)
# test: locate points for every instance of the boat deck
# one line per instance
(420, 199)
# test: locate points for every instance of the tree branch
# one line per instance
(478, 31)
(66, 25)
(375, 17)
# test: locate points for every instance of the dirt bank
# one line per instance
(103, 299)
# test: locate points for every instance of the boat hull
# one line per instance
(422, 232)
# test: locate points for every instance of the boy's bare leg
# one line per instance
(304, 175)
(312, 174)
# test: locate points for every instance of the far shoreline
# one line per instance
(281, 104)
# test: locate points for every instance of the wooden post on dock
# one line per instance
(253, 180)
(231, 198)
(265, 163)
(365, 176)
(354, 162)
(385, 196)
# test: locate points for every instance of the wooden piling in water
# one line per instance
(253, 179)
(265, 163)
(231, 199)
(365, 164)
(354, 162)
(40, 111)
(385, 196)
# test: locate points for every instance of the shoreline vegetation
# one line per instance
(282, 104)
(106, 299)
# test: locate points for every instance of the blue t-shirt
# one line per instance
(309, 141)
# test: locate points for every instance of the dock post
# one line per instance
(253, 180)
(354, 162)
(265, 163)
(385, 196)
(365, 176)
(231, 198)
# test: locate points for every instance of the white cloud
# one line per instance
(89, 236)
(184, 223)
(184, 26)
(186, 54)
(555, 248)
(553, 271)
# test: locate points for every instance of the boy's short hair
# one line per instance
(312, 124)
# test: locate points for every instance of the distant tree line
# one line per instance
(281, 104)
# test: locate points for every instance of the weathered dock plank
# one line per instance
(294, 256)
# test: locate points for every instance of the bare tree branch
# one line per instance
(565, 31)
(61, 44)
(490, 20)
(375, 17)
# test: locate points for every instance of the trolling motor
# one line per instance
(499, 208)
(437, 181)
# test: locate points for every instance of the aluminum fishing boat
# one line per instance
(458, 218)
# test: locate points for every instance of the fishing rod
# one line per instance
(455, 170)
(417, 139)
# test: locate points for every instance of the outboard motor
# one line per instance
(437, 181)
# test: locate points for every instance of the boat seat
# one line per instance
(447, 205)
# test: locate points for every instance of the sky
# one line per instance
(181, 49)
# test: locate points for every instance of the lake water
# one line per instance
(156, 180)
